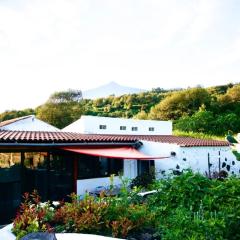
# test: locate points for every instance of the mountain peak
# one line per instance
(112, 83)
(111, 88)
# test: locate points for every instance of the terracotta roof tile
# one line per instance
(184, 141)
(67, 137)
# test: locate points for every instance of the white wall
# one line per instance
(165, 165)
(195, 158)
(90, 124)
(88, 185)
(30, 124)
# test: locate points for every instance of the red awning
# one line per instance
(112, 152)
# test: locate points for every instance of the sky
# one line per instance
(54, 45)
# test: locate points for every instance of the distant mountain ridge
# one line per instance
(111, 88)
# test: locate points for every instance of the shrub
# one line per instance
(143, 180)
(192, 206)
(189, 206)
(84, 216)
(116, 216)
(32, 217)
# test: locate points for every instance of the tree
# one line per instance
(62, 108)
(141, 115)
(66, 96)
(234, 93)
(230, 98)
(182, 103)
(201, 121)
(226, 122)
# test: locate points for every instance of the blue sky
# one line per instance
(52, 45)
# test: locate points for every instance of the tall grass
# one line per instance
(197, 135)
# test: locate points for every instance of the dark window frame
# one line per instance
(92, 166)
(134, 129)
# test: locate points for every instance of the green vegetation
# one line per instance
(208, 111)
(62, 108)
(197, 135)
(126, 106)
(111, 216)
(192, 206)
(237, 154)
(189, 206)
(181, 103)
(7, 115)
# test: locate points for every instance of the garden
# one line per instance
(190, 206)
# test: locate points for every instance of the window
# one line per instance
(96, 167)
(111, 166)
(134, 128)
(60, 163)
(151, 129)
(123, 127)
(102, 127)
(144, 167)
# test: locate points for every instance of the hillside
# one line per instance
(211, 111)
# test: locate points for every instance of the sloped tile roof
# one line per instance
(68, 137)
(58, 137)
(184, 141)
(7, 122)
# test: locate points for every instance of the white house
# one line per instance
(204, 156)
(91, 149)
(27, 123)
(81, 157)
(120, 126)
